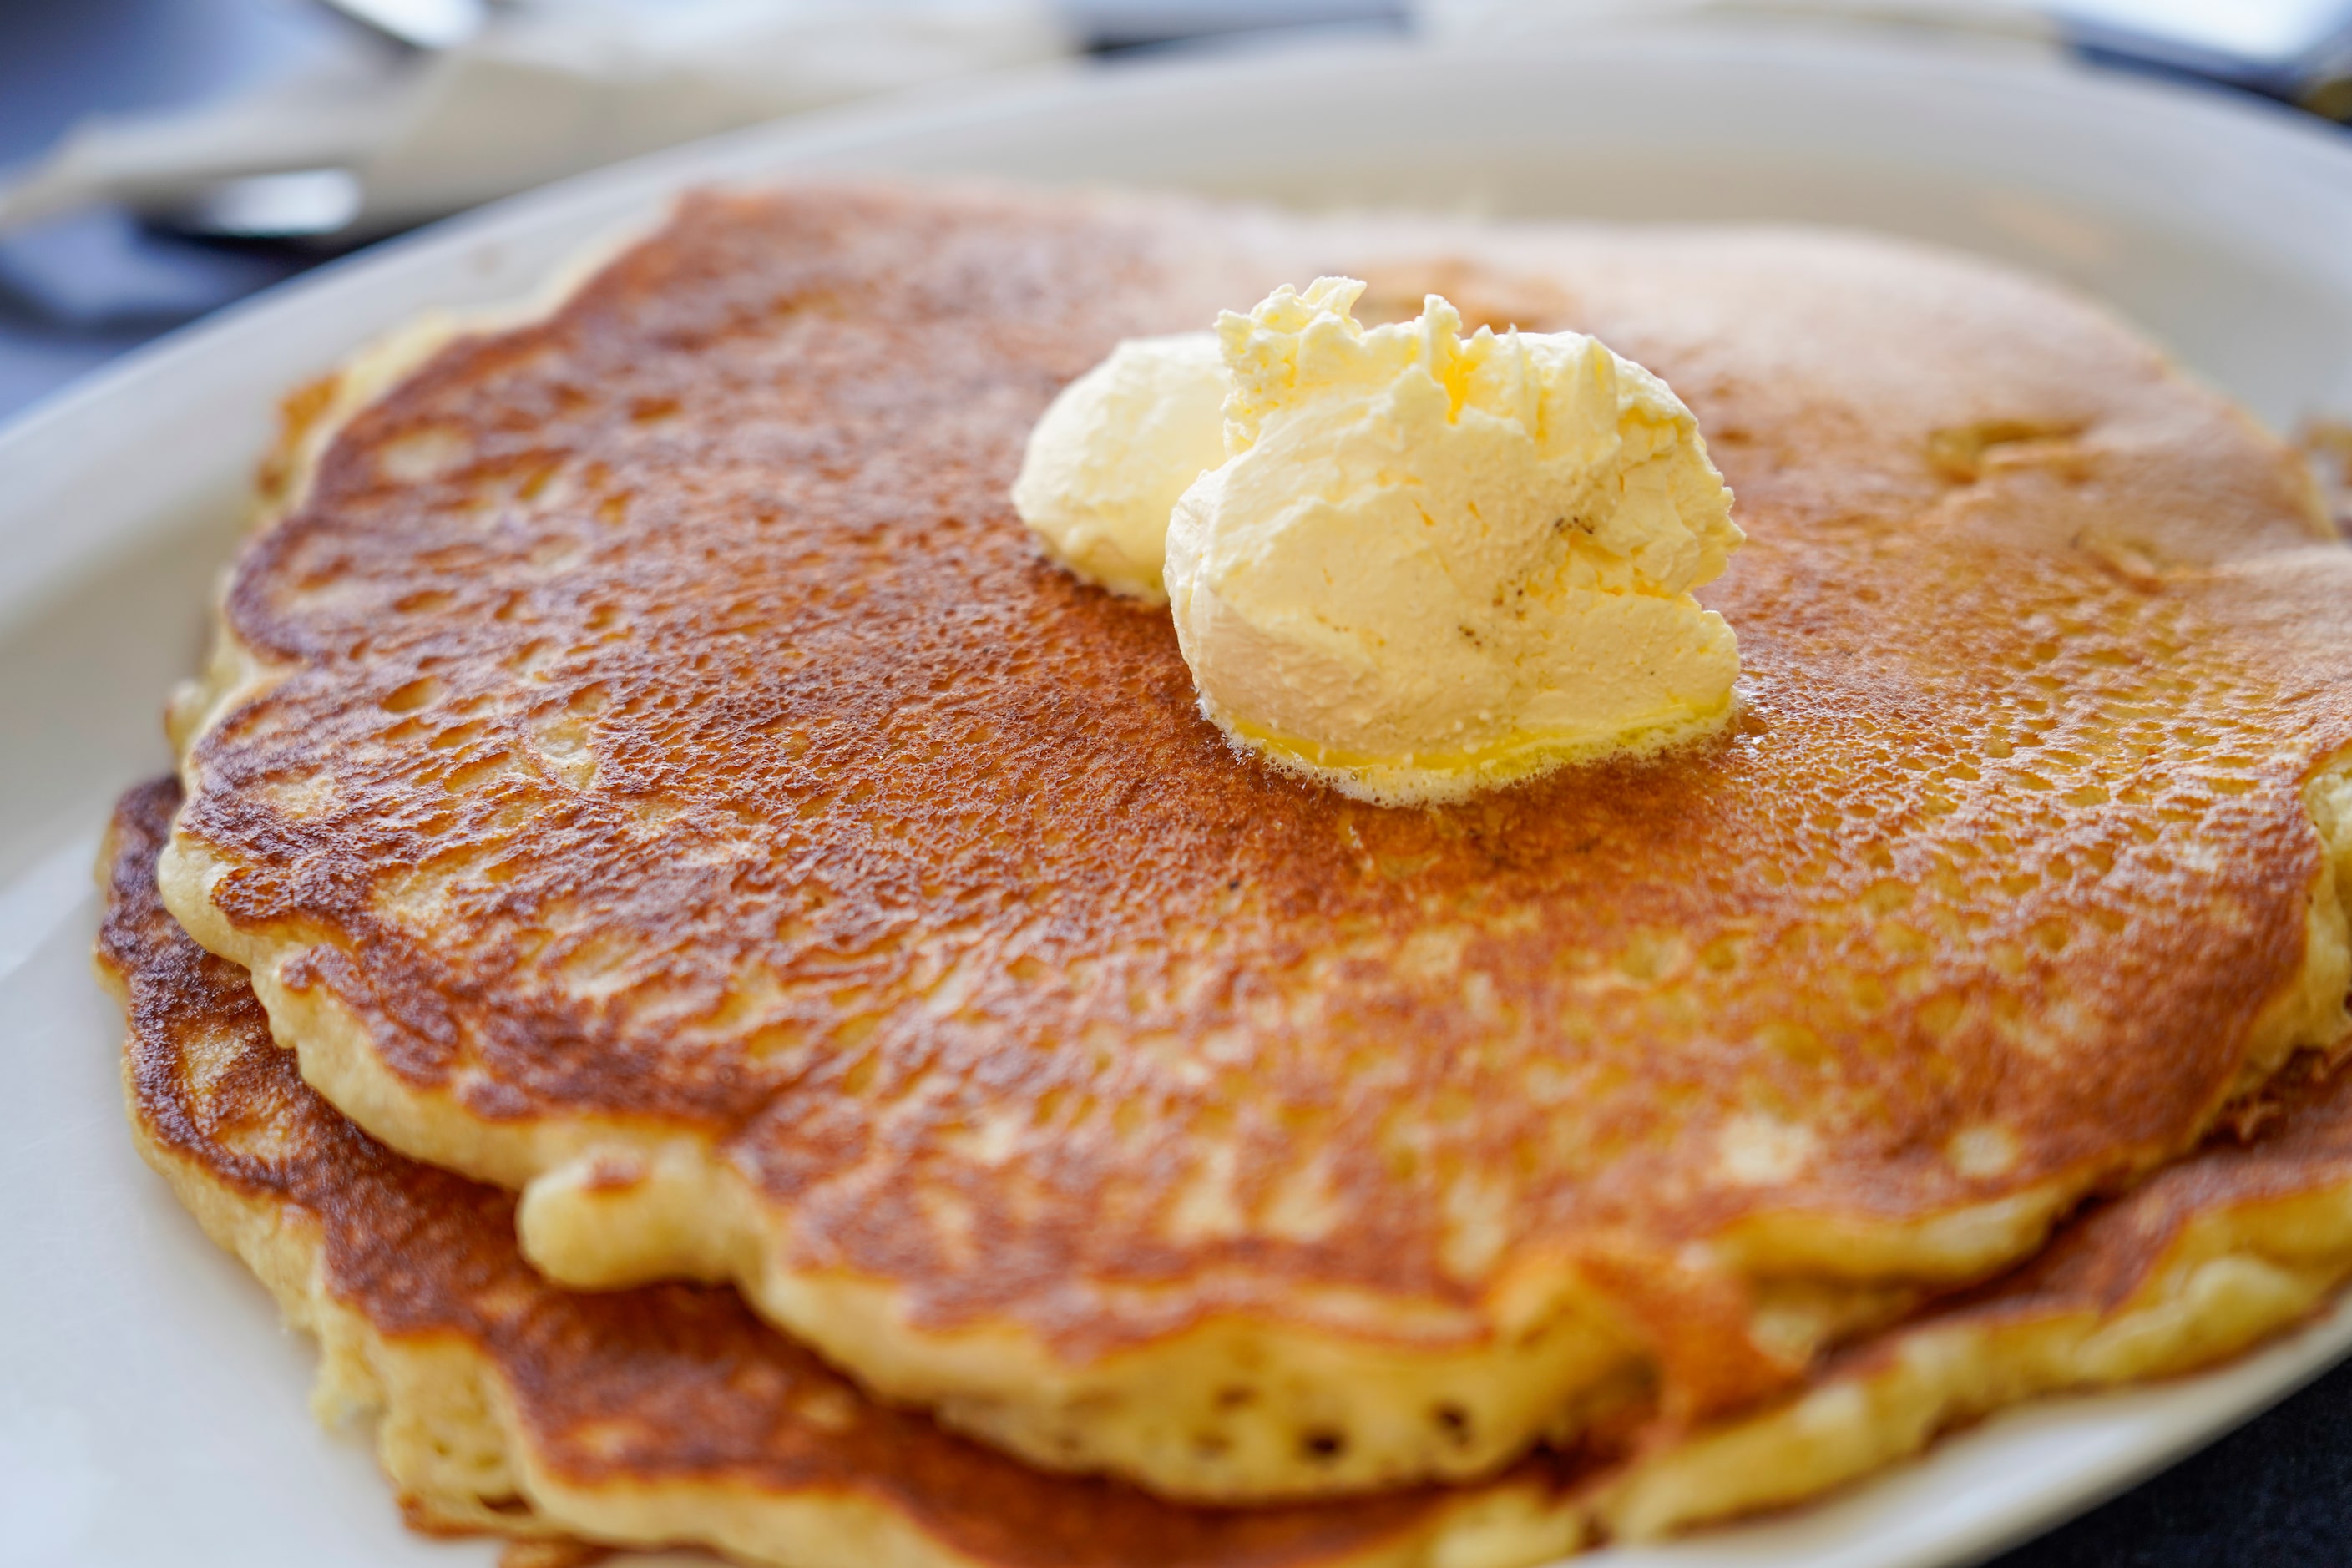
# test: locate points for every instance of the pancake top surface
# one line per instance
(672, 722)
(632, 1392)
(714, 1427)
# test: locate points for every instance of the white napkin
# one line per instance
(548, 87)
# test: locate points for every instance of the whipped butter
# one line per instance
(1426, 564)
(1113, 452)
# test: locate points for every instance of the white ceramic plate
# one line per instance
(151, 1411)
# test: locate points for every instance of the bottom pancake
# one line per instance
(671, 1415)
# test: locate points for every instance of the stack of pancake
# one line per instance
(745, 1007)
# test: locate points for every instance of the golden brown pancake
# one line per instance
(669, 1414)
(664, 1414)
(646, 765)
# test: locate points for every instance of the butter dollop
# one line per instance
(1113, 452)
(1421, 564)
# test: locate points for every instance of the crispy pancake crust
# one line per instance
(648, 765)
(671, 1415)
(664, 1415)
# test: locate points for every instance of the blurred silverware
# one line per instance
(298, 205)
(2298, 54)
(420, 24)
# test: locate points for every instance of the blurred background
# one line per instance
(160, 159)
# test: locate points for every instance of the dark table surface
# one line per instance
(76, 293)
